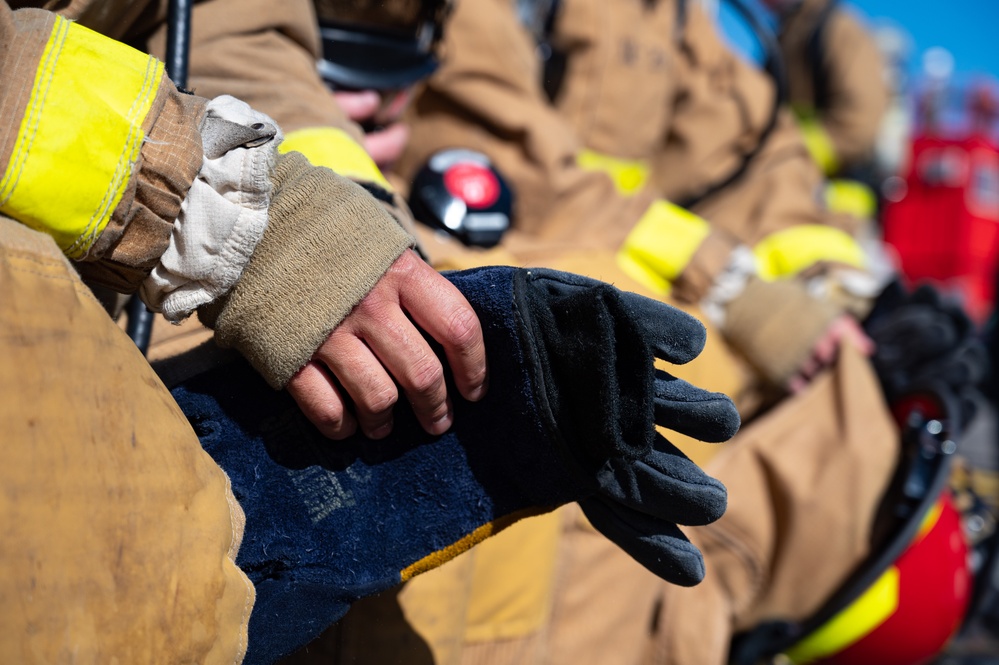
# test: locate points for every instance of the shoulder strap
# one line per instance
(538, 17)
(681, 17)
(814, 51)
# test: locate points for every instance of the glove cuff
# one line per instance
(224, 215)
(326, 245)
(729, 284)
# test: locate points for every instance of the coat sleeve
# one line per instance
(97, 149)
(104, 150)
(836, 82)
(723, 112)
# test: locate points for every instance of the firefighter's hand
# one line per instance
(378, 349)
(844, 329)
(785, 333)
(385, 144)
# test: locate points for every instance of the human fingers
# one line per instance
(363, 377)
(405, 354)
(844, 329)
(358, 105)
(822, 355)
(797, 384)
(852, 332)
(826, 349)
(442, 311)
(319, 399)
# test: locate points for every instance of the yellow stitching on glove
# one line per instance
(442, 556)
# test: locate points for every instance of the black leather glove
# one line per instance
(592, 347)
(924, 339)
(571, 415)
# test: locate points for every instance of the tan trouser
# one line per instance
(119, 532)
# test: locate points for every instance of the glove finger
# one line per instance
(685, 408)
(669, 487)
(664, 484)
(929, 296)
(974, 359)
(912, 336)
(926, 294)
(900, 326)
(656, 544)
(674, 335)
(965, 365)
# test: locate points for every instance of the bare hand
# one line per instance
(386, 144)
(826, 350)
(378, 342)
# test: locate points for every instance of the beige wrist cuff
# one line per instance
(774, 325)
(326, 245)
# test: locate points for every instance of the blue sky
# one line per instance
(969, 29)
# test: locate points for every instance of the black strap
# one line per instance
(556, 61)
(681, 17)
(539, 18)
(814, 52)
(774, 65)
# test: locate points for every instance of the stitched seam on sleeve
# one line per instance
(129, 153)
(33, 115)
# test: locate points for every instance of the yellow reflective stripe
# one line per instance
(468, 541)
(661, 245)
(80, 135)
(629, 175)
(853, 623)
(818, 143)
(852, 198)
(333, 148)
(929, 521)
(790, 251)
(642, 274)
(866, 613)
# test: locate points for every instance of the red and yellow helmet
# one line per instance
(911, 611)
(911, 596)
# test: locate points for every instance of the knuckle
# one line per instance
(477, 376)
(463, 328)
(405, 265)
(427, 375)
(380, 399)
(333, 423)
(370, 307)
